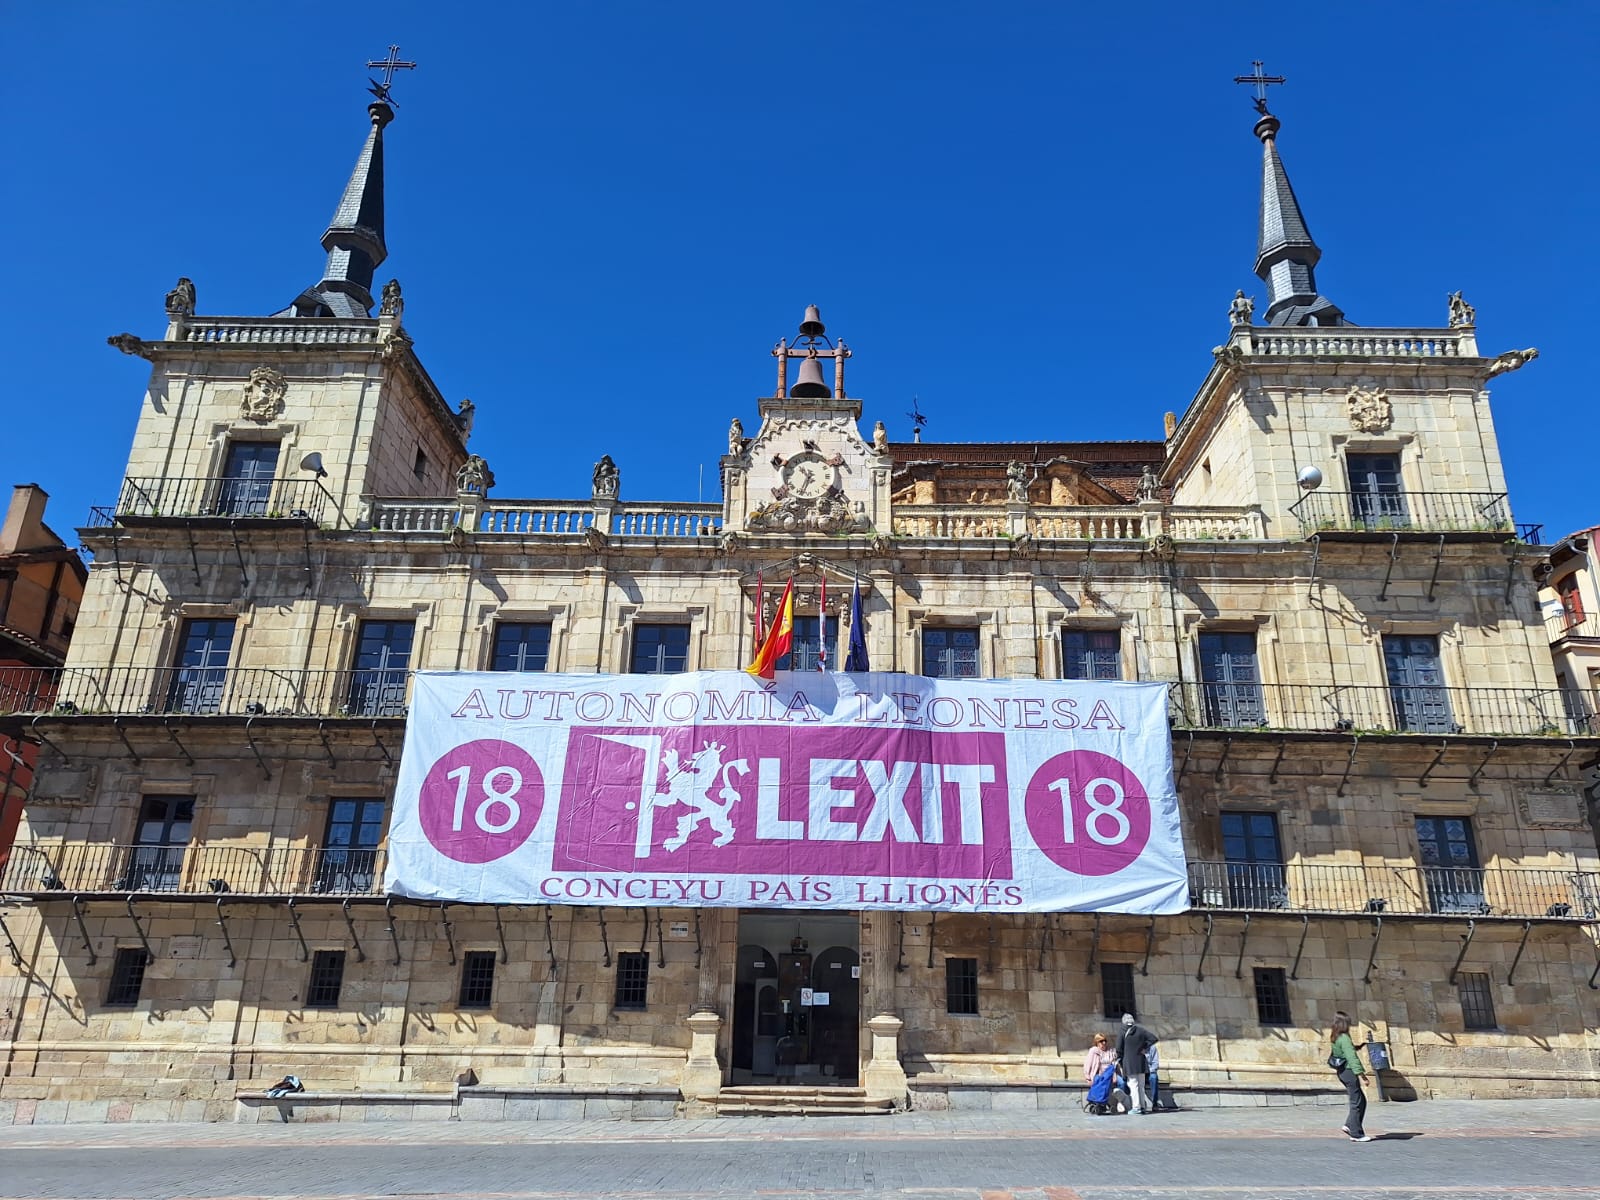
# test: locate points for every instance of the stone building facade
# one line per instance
(1378, 773)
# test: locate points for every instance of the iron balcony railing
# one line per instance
(205, 691)
(1403, 512)
(194, 869)
(1409, 890)
(1400, 708)
(1566, 626)
(216, 498)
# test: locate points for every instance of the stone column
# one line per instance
(885, 1078)
(702, 1074)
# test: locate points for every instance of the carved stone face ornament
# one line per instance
(263, 395)
(1370, 410)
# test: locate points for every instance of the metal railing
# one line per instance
(1564, 626)
(204, 691)
(1362, 708)
(1403, 512)
(219, 498)
(1409, 890)
(195, 869)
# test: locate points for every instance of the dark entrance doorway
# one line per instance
(796, 999)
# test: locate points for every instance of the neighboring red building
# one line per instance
(41, 586)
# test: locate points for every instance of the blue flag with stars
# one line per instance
(856, 659)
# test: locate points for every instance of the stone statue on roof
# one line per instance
(880, 438)
(607, 479)
(736, 437)
(180, 300)
(1148, 485)
(474, 477)
(1462, 314)
(392, 304)
(1017, 483)
(1242, 308)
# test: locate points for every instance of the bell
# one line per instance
(812, 325)
(809, 382)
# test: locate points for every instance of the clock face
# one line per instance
(807, 475)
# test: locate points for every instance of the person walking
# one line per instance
(1132, 1043)
(1342, 1058)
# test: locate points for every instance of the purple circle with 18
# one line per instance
(1088, 812)
(481, 800)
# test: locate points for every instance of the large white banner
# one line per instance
(824, 790)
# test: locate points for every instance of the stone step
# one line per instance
(798, 1102)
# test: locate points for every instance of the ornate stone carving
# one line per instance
(733, 541)
(1511, 360)
(466, 413)
(393, 304)
(263, 395)
(607, 479)
(180, 300)
(1462, 314)
(828, 513)
(1162, 546)
(1016, 483)
(474, 477)
(880, 438)
(1148, 485)
(1228, 356)
(1370, 410)
(595, 540)
(882, 544)
(127, 343)
(736, 437)
(394, 341)
(1242, 308)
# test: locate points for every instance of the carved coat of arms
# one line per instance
(263, 395)
(1370, 410)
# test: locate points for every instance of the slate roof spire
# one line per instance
(354, 240)
(1286, 256)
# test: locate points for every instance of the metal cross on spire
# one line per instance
(392, 64)
(1262, 81)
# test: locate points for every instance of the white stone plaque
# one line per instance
(1557, 807)
(679, 929)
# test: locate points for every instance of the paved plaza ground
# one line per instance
(1436, 1150)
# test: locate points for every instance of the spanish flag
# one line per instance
(778, 639)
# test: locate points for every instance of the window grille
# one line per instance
(1272, 996)
(1091, 654)
(127, 977)
(327, 977)
(1477, 1000)
(477, 979)
(1116, 989)
(961, 986)
(633, 978)
(950, 653)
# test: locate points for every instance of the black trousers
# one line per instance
(1358, 1102)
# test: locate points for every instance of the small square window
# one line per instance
(327, 977)
(1116, 989)
(633, 978)
(477, 979)
(127, 977)
(961, 986)
(1272, 996)
(1477, 1000)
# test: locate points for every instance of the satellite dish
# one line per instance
(313, 463)
(1310, 478)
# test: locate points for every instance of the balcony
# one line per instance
(203, 692)
(197, 869)
(1367, 514)
(1566, 627)
(1117, 523)
(1369, 709)
(215, 499)
(545, 518)
(1414, 891)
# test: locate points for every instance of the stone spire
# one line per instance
(354, 240)
(1285, 254)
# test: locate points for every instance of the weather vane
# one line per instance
(392, 64)
(917, 420)
(1262, 81)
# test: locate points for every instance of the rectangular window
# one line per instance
(348, 863)
(1375, 498)
(1477, 1001)
(1571, 600)
(155, 861)
(1272, 996)
(127, 977)
(660, 649)
(950, 653)
(327, 977)
(633, 978)
(245, 489)
(1449, 858)
(520, 646)
(961, 986)
(1230, 679)
(1416, 684)
(202, 668)
(383, 658)
(1116, 989)
(803, 651)
(477, 979)
(1254, 866)
(1091, 654)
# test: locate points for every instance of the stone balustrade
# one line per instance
(1336, 342)
(270, 331)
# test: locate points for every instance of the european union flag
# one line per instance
(856, 659)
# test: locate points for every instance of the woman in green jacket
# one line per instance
(1352, 1074)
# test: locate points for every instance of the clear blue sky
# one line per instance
(1031, 215)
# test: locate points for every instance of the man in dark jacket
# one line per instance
(1132, 1043)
